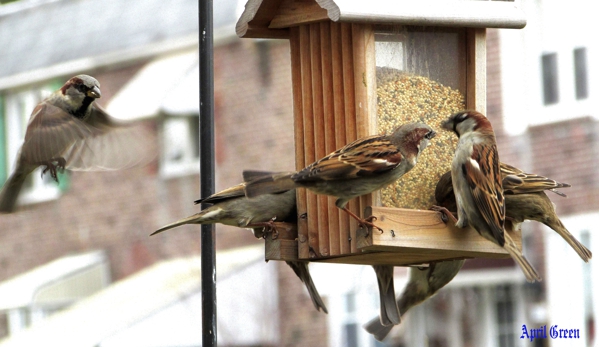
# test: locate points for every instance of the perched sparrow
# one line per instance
(423, 283)
(390, 314)
(231, 207)
(361, 167)
(477, 184)
(537, 206)
(527, 202)
(68, 130)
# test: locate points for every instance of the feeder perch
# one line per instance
(365, 67)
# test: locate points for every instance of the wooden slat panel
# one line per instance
(350, 123)
(309, 148)
(319, 136)
(298, 115)
(330, 145)
(339, 98)
(476, 70)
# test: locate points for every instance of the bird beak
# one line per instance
(447, 125)
(94, 92)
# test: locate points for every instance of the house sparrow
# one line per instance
(361, 167)
(423, 283)
(528, 201)
(68, 130)
(537, 206)
(231, 207)
(477, 184)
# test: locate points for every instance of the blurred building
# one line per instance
(144, 53)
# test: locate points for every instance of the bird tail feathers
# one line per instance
(11, 189)
(528, 270)
(389, 312)
(207, 216)
(303, 272)
(582, 251)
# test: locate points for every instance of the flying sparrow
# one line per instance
(477, 184)
(361, 167)
(231, 207)
(68, 130)
(424, 282)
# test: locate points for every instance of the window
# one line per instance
(505, 315)
(181, 143)
(580, 73)
(550, 80)
(17, 109)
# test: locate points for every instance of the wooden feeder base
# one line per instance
(410, 237)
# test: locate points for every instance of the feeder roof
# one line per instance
(272, 18)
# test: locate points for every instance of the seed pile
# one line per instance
(404, 98)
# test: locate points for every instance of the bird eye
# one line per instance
(430, 135)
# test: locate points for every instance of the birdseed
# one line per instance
(405, 98)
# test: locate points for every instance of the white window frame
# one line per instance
(177, 136)
(18, 108)
(564, 282)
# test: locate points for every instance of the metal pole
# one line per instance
(207, 172)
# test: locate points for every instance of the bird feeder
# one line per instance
(364, 67)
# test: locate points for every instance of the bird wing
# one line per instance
(112, 145)
(224, 195)
(363, 157)
(482, 174)
(50, 131)
(529, 183)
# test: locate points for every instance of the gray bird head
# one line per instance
(417, 134)
(80, 87)
(466, 121)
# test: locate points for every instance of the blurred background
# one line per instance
(77, 266)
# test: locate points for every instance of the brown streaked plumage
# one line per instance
(477, 183)
(527, 202)
(361, 167)
(529, 183)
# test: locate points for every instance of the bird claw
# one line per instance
(446, 215)
(367, 222)
(54, 168)
(269, 226)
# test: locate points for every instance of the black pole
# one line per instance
(207, 172)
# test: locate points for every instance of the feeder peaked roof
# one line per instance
(272, 18)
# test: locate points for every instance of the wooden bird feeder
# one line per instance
(365, 67)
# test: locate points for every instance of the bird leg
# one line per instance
(268, 226)
(366, 222)
(446, 215)
(54, 168)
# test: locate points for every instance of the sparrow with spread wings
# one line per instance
(68, 130)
